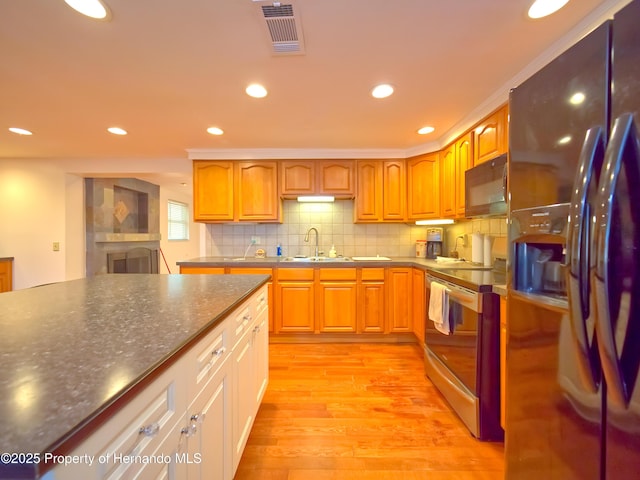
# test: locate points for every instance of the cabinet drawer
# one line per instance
(159, 409)
(372, 274)
(295, 274)
(200, 270)
(206, 358)
(261, 302)
(337, 274)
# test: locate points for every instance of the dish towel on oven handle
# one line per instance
(439, 307)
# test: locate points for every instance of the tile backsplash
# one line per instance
(334, 222)
(495, 227)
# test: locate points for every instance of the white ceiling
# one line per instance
(165, 70)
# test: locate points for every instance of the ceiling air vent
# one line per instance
(283, 27)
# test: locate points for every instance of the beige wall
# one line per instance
(42, 201)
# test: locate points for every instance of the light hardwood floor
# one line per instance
(359, 411)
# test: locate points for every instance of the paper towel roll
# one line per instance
(477, 240)
(487, 249)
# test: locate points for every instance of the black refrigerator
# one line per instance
(573, 341)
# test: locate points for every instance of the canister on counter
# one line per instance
(421, 249)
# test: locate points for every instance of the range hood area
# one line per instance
(121, 214)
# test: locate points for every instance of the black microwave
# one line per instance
(486, 189)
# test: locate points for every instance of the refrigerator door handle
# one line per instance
(504, 182)
(579, 254)
(623, 145)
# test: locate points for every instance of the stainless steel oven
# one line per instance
(464, 364)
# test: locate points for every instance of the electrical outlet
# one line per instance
(56, 246)
(255, 240)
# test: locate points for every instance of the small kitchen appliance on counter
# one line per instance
(434, 243)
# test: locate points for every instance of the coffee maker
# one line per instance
(434, 242)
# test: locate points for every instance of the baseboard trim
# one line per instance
(343, 338)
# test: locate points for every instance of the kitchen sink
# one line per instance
(369, 259)
(316, 259)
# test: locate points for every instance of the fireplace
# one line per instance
(122, 216)
(136, 260)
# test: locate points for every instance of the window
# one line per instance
(178, 221)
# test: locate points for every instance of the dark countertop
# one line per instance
(272, 262)
(6, 259)
(70, 350)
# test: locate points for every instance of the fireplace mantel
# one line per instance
(126, 237)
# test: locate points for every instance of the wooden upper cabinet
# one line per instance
(464, 161)
(213, 191)
(491, 136)
(448, 181)
(257, 191)
(423, 187)
(380, 191)
(336, 177)
(297, 177)
(368, 204)
(394, 190)
(318, 177)
(225, 191)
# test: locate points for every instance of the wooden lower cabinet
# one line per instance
(295, 305)
(6, 275)
(419, 304)
(337, 300)
(400, 301)
(371, 300)
(202, 270)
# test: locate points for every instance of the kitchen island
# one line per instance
(75, 353)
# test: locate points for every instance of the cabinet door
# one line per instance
(368, 204)
(464, 161)
(243, 398)
(212, 191)
(261, 357)
(400, 301)
(257, 191)
(297, 178)
(448, 181)
(371, 301)
(6, 275)
(419, 304)
(337, 307)
(394, 191)
(209, 420)
(294, 306)
(491, 137)
(423, 187)
(336, 177)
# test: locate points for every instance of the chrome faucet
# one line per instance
(306, 239)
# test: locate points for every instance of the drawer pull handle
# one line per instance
(218, 351)
(150, 430)
(256, 329)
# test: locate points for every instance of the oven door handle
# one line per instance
(463, 297)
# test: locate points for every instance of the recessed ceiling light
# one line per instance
(117, 130)
(91, 8)
(543, 8)
(577, 98)
(256, 91)
(382, 91)
(425, 130)
(20, 131)
(215, 131)
(564, 140)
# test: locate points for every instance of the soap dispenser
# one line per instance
(332, 252)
